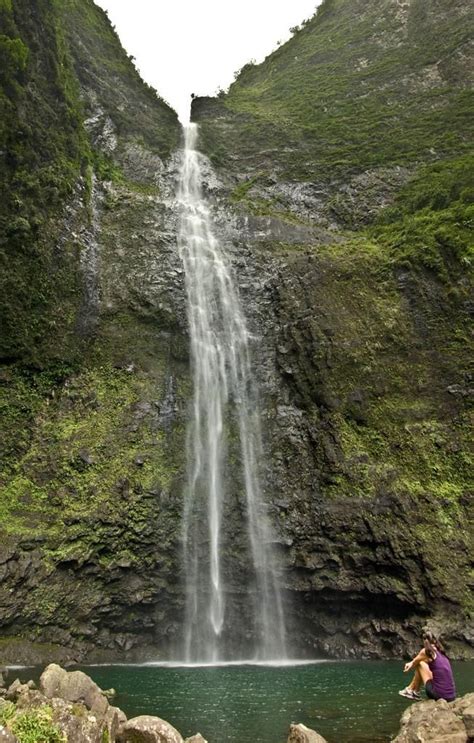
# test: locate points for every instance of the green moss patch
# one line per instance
(31, 726)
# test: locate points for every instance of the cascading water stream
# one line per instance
(224, 399)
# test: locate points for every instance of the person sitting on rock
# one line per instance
(433, 669)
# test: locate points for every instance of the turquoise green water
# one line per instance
(346, 702)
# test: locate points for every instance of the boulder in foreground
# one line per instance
(436, 722)
(148, 729)
(302, 734)
(74, 686)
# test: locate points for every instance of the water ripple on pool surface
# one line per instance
(346, 702)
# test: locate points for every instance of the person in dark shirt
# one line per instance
(433, 669)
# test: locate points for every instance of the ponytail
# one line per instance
(432, 644)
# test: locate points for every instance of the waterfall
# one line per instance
(224, 400)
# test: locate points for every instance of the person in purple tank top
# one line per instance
(433, 669)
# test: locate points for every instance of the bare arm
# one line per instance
(420, 657)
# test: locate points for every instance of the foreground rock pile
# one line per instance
(77, 711)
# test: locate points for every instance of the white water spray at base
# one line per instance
(223, 396)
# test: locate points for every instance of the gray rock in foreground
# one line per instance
(438, 722)
(465, 707)
(148, 729)
(302, 734)
(6, 736)
(74, 686)
(79, 709)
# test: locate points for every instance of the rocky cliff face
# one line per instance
(340, 188)
(359, 123)
(95, 377)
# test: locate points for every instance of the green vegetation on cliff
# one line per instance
(431, 220)
(360, 126)
(367, 94)
(44, 150)
(361, 85)
(50, 50)
(100, 62)
(87, 460)
(377, 358)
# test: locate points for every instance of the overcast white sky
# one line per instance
(195, 46)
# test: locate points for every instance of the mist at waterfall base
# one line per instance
(233, 600)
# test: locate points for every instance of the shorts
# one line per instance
(431, 694)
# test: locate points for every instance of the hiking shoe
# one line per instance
(410, 694)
